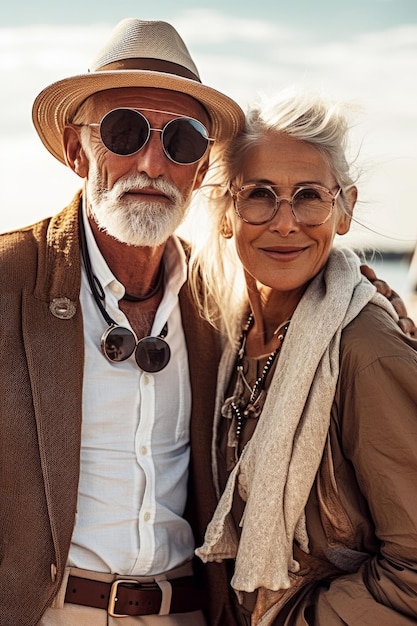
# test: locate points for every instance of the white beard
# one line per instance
(131, 221)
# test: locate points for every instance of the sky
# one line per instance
(362, 51)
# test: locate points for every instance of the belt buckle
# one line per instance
(113, 596)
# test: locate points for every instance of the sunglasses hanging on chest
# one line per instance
(118, 343)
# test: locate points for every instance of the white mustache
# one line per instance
(142, 181)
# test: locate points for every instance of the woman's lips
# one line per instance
(284, 253)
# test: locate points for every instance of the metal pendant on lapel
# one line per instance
(63, 308)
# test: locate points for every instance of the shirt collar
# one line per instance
(174, 260)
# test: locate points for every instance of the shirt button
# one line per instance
(147, 517)
(120, 318)
(146, 379)
(143, 450)
(116, 288)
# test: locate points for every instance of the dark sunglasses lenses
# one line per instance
(152, 354)
(125, 132)
(184, 140)
(118, 343)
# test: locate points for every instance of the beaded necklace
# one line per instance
(243, 409)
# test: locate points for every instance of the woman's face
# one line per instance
(282, 253)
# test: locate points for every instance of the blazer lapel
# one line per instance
(53, 341)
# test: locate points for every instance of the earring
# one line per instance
(225, 228)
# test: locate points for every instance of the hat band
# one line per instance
(153, 65)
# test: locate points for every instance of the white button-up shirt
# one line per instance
(135, 439)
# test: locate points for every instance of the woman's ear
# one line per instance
(226, 229)
(345, 217)
(75, 156)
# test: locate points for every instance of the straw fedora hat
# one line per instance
(139, 53)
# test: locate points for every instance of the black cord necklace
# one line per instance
(118, 343)
(152, 292)
(243, 409)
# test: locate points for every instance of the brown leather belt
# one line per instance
(133, 598)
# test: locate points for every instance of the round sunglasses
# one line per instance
(184, 140)
(152, 354)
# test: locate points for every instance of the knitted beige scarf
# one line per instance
(278, 466)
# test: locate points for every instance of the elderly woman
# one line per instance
(314, 452)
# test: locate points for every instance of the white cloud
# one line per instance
(220, 29)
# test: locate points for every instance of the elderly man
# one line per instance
(110, 372)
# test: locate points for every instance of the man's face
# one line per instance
(142, 198)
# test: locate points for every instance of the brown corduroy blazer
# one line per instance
(41, 339)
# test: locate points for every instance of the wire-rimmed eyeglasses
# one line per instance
(311, 205)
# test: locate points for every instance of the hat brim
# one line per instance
(56, 105)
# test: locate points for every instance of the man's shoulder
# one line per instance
(22, 234)
(21, 244)
(25, 241)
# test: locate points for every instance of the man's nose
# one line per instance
(151, 159)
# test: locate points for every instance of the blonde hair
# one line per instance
(216, 274)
